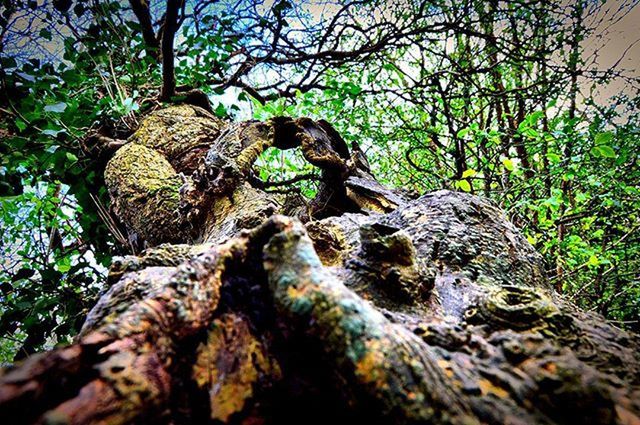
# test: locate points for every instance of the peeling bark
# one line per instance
(365, 306)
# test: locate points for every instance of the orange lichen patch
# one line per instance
(445, 365)
(294, 293)
(486, 387)
(370, 368)
(161, 301)
(328, 241)
(550, 367)
(231, 365)
(129, 342)
(366, 348)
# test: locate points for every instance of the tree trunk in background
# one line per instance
(362, 306)
(574, 90)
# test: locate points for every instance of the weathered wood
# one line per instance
(367, 306)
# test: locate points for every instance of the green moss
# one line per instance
(145, 190)
(175, 130)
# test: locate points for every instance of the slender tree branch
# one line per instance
(168, 35)
(141, 10)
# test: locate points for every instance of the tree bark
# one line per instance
(360, 305)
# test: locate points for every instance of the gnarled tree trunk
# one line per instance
(362, 304)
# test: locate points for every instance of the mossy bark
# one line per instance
(365, 306)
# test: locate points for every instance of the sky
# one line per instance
(622, 42)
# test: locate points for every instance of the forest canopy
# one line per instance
(511, 100)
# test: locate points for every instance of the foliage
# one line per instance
(56, 244)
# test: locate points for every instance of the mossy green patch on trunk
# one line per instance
(146, 192)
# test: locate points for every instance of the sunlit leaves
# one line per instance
(508, 164)
(604, 151)
(469, 173)
(464, 185)
(603, 138)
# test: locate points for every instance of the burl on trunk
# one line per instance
(252, 304)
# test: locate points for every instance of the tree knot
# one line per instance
(388, 257)
(512, 307)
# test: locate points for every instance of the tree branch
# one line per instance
(141, 10)
(168, 34)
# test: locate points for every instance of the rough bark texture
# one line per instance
(363, 306)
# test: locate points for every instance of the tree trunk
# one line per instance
(362, 306)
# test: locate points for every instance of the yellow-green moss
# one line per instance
(144, 189)
(247, 207)
(177, 129)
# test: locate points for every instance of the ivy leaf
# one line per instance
(46, 34)
(607, 151)
(57, 108)
(553, 158)
(21, 124)
(352, 88)
(52, 133)
(220, 110)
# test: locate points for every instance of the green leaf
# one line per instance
(464, 185)
(220, 110)
(607, 151)
(52, 133)
(553, 158)
(508, 164)
(56, 107)
(21, 124)
(46, 34)
(603, 138)
(8, 63)
(593, 260)
(352, 88)
(469, 173)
